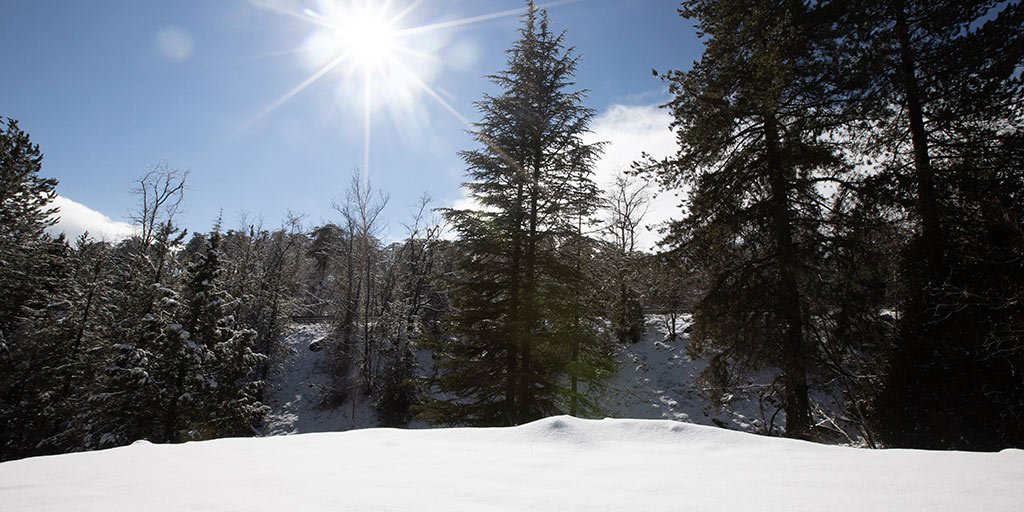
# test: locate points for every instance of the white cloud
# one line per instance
(465, 202)
(629, 131)
(76, 218)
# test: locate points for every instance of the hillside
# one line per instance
(656, 379)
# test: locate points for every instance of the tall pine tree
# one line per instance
(33, 278)
(520, 282)
(751, 120)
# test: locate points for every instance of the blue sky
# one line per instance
(109, 88)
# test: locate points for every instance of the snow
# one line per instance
(559, 463)
(657, 379)
(299, 386)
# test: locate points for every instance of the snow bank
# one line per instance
(556, 464)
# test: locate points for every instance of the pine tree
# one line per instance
(262, 273)
(142, 378)
(215, 363)
(88, 328)
(134, 401)
(751, 118)
(25, 213)
(33, 280)
(516, 301)
(40, 365)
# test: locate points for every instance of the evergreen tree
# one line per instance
(262, 272)
(41, 367)
(142, 374)
(751, 118)
(91, 314)
(33, 314)
(214, 383)
(25, 213)
(143, 381)
(518, 292)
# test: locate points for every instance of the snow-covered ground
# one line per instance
(298, 387)
(555, 464)
(656, 379)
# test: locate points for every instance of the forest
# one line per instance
(853, 222)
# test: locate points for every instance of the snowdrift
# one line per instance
(556, 464)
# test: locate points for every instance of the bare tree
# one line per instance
(361, 210)
(421, 234)
(161, 191)
(407, 300)
(628, 202)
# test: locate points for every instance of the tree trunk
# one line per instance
(577, 326)
(927, 202)
(797, 408)
(351, 294)
(367, 346)
(515, 316)
(529, 300)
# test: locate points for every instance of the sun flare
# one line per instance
(368, 36)
(365, 44)
(380, 59)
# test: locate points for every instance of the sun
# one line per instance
(380, 59)
(365, 44)
(367, 35)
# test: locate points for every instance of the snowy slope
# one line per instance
(554, 464)
(299, 385)
(656, 379)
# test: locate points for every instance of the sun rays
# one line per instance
(379, 59)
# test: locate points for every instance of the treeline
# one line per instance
(856, 176)
(151, 337)
(172, 336)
